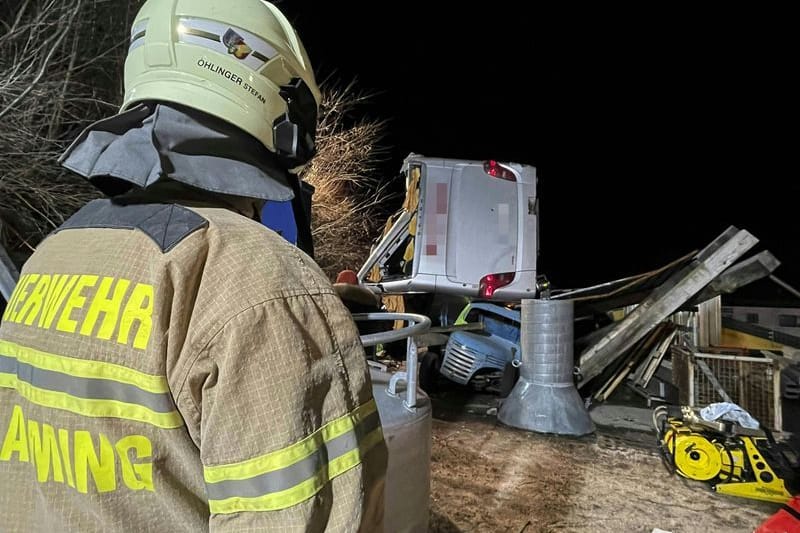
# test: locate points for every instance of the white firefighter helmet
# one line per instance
(240, 61)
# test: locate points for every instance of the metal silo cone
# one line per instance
(544, 398)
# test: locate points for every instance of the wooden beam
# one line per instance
(469, 326)
(747, 271)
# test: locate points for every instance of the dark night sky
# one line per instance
(651, 132)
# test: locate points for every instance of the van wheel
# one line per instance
(429, 371)
(510, 377)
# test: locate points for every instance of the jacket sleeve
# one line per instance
(289, 433)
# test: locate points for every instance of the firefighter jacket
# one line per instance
(165, 368)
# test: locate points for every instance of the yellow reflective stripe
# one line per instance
(8, 381)
(89, 407)
(302, 491)
(85, 369)
(94, 408)
(343, 463)
(342, 425)
(292, 454)
(265, 463)
(270, 502)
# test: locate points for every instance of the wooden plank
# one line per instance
(646, 361)
(611, 385)
(709, 323)
(657, 361)
(640, 351)
(665, 300)
(681, 373)
(617, 368)
(431, 339)
(471, 326)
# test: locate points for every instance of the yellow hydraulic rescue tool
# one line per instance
(732, 459)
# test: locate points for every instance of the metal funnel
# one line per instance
(544, 398)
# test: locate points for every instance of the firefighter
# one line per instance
(168, 363)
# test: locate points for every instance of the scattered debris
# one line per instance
(664, 300)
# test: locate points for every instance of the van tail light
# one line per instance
(496, 170)
(491, 282)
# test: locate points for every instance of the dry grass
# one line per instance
(61, 69)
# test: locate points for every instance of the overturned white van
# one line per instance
(466, 228)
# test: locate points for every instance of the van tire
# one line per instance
(429, 367)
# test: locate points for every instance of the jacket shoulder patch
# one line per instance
(166, 224)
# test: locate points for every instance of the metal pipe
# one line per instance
(571, 293)
(418, 324)
(387, 245)
(411, 373)
(785, 285)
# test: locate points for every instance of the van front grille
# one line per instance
(459, 362)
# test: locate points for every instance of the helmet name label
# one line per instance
(232, 76)
(255, 93)
(225, 73)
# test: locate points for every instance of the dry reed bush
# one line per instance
(350, 202)
(61, 67)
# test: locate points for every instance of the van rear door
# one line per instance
(482, 225)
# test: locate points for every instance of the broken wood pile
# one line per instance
(634, 350)
(639, 364)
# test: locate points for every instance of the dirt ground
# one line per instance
(488, 477)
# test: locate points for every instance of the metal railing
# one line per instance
(417, 325)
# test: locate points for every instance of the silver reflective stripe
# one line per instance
(87, 388)
(138, 31)
(293, 475)
(349, 441)
(248, 48)
(200, 33)
(268, 483)
(8, 365)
